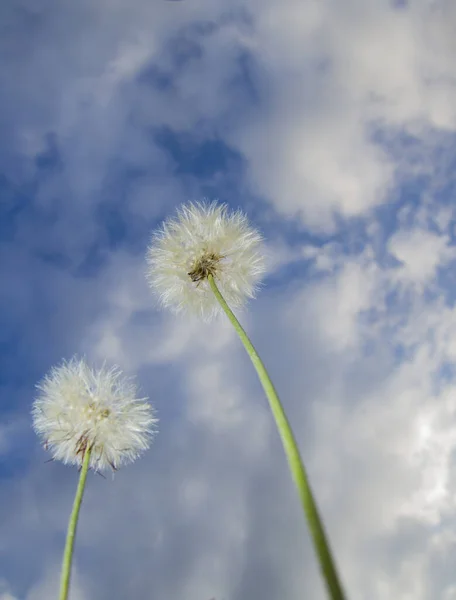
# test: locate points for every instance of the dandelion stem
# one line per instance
(69, 544)
(319, 538)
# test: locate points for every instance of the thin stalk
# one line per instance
(69, 544)
(319, 538)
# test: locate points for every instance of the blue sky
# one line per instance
(333, 126)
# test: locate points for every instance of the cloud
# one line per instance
(5, 592)
(331, 83)
(420, 253)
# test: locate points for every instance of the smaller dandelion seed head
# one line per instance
(204, 239)
(78, 408)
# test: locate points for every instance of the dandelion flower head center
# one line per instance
(95, 413)
(83, 406)
(204, 265)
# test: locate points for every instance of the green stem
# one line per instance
(69, 544)
(321, 544)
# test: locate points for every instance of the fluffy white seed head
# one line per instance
(78, 407)
(204, 239)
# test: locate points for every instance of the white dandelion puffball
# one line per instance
(204, 239)
(78, 408)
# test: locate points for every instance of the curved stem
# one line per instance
(69, 544)
(321, 544)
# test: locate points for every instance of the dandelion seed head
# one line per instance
(204, 239)
(78, 407)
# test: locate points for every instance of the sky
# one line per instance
(332, 125)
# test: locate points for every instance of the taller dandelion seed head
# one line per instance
(204, 239)
(78, 408)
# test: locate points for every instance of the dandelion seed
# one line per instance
(204, 239)
(79, 408)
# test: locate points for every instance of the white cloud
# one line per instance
(421, 253)
(312, 166)
(5, 592)
(336, 304)
(333, 74)
(325, 76)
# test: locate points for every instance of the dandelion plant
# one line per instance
(206, 261)
(91, 419)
